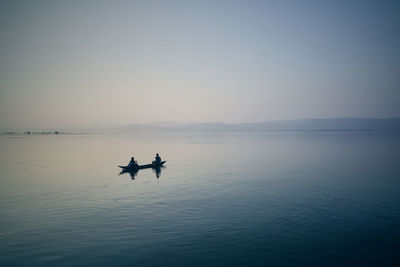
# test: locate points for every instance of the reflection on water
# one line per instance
(157, 171)
(225, 199)
(133, 173)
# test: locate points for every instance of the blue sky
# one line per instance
(79, 63)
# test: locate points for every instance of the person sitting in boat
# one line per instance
(158, 158)
(132, 163)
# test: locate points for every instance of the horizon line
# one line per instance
(154, 123)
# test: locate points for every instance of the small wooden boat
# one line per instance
(139, 167)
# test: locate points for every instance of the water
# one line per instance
(224, 199)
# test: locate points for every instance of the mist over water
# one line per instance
(278, 198)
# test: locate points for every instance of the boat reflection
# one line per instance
(157, 171)
(133, 173)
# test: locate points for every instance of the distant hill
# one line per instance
(332, 124)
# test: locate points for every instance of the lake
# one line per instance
(223, 199)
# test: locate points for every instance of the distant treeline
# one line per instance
(29, 132)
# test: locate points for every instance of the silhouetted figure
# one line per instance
(133, 167)
(158, 158)
(132, 163)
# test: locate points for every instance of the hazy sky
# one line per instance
(74, 63)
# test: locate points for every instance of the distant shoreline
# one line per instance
(169, 132)
(301, 125)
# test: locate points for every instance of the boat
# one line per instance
(139, 167)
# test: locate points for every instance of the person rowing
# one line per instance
(133, 163)
(158, 159)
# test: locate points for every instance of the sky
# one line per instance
(96, 63)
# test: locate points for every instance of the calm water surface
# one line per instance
(224, 199)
